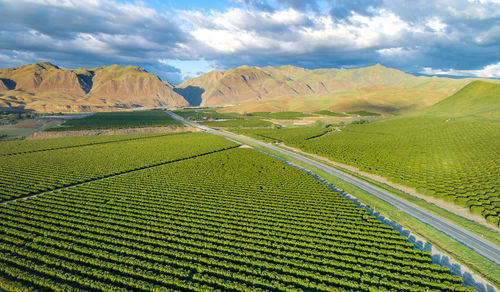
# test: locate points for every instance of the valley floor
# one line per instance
(491, 250)
(188, 211)
(453, 208)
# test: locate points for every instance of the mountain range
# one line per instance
(376, 88)
(45, 87)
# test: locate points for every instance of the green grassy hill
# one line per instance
(478, 100)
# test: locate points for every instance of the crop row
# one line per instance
(119, 120)
(205, 114)
(456, 161)
(239, 123)
(280, 115)
(285, 134)
(17, 147)
(242, 221)
(31, 173)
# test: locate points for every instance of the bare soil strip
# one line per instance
(148, 130)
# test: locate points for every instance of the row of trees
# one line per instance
(31, 173)
(232, 220)
(455, 161)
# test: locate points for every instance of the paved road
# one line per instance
(480, 245)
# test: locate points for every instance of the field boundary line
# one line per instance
(483, 247)
(470, 278)
(90, 144)
(116, 174)
(385, 184)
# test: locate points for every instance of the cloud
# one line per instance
(85, 33)
(300, 4)
(12, 58)
(408, 35)
(290, 31)
(62, 19)
(489, 71)
(256, 4)
(344, 8)
(262, 37)
(190, 68)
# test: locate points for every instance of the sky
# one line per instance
(182, 39)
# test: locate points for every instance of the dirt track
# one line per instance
(59, 134)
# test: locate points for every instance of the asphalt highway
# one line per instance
(474, 242)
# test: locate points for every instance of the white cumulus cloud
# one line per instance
(408, 35)
(489, 71)
(291, 31)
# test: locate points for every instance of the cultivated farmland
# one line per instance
(247, 123)
(119, 120)
(231, 220)
(455, 160)
(206, 113)
(280, 115)
(26, 146)
(33, 172)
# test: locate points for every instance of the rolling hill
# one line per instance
(376, 88)
(45, 87)
(477, 100)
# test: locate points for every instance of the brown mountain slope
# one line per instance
(45, 87)
(42, 77)
(293, 88)
(241, 84)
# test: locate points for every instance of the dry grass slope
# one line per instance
(45, 87)
(288, 88)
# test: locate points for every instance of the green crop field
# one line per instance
(234, 220)
(20, 146)
(329, 113)
(280, 115)
(119, 120)
(247, 123)
(364, 113)
(454, 160)
(285, 134)
(206, 113)
(210, 117)
(33, 172)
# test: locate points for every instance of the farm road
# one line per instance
(474, 242)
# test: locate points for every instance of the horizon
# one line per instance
(178, 40)
(250, 145)
(324, 68)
